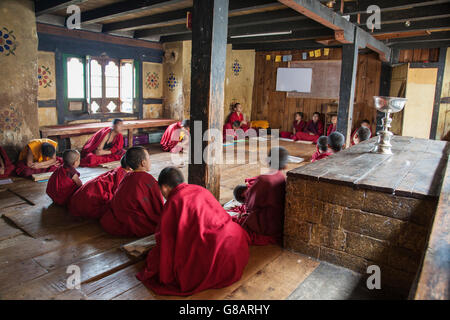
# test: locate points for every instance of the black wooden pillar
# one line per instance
(385, 87)
(347, 87)
(438, 92)
(209, 49)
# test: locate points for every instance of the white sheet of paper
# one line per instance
(5, 181)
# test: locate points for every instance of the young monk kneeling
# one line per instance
(198, 246)
(264, 202)
(135, 209)
(38, 156)
(91, 200)
(66, 179)
(336, 142)
(322, 149)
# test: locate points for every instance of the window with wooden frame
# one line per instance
(100, 85)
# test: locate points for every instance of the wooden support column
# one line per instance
(209, 49)
(438, 92)
(385, 87)
(347, 87)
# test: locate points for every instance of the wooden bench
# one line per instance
(71, 130)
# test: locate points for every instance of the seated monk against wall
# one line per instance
(333, 125)
(66, 179)
(135, 209)
(336, 142)
(176, 137)
(38, 156)
(322, 149)
(91, 200)
(364, 123)
(106, 145)
(6, 166)
(237, 115)
(297, 126)
(264, 202)
(198, 246)
(312, 131)
(362, 134)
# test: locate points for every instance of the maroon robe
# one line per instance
(354, 133)
(235, 117)
(135, 209)
(9, 167)
(298, 126)
(22, 170)
(315, 128)
(90, 159)
(331, 129)
(265, 208)
(228, 128)
(318, 156)
(60, 186)
(198, 246)
(171, 136)
(92, 198)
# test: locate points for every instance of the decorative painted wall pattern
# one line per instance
(46, 76)
(7, 42)
(10, 120)
(172, 81)
(152, 77)
(236, 67)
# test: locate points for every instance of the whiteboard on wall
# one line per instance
(294, 79)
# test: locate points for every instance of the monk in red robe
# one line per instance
(91, 200)
(364, 123)
(106, 145)
(362, 134)
(136, 207)
(264, 202)
(322, 149)
(229, 131)
(237, 115)
(38, 156)
(297, 126)
(198, 246)
(174, 136)
(312, 131)
(6, 166)
(333, 126)
(66, 179)
(336, 142)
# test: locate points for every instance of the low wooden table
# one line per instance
(71, 130)
(358, 209)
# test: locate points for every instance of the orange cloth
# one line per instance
(35, 147)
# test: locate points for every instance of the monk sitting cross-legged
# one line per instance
(66, 179)
(175, 138)
(198, 246)
(6, 166)
(333, 125)
(91, 200)
(135, 209)
(106, 145)
(322, 149)
(312, 131)
(264, 202)
(38, 156)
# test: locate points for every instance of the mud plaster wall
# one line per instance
(19, 85)
(239, 78)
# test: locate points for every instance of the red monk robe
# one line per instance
(91, 200)
(60, 186)
(298, 126)
(234, 116)
(318, 155)
(265, 208)
(171, 136)
(331, 129)
(136, 207)
(316, 128)
(7, 165)
(90, 159)
(354, 133)
(198, 246)
(228, 127)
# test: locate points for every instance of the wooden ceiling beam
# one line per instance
(49, 6)
(360, 7)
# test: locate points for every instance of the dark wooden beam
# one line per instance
(162, 31)
(311, 34)
(49, 6)
(123, 8)
(422, 44)
(435, 24)
(438, 92)
(360, 6)
(347, 87)
(209, 40)
(282, 45)
(434, 36)
(385, 87)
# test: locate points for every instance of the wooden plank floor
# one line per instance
(38, 242)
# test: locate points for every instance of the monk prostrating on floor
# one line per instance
(135, 209)
(312, 131)
(38, 156)
(322, 149)
(175, 137)
(6, 166)
(264, 202)
(91, 200)
(66, 179)
(198, 246)
(106, 145)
